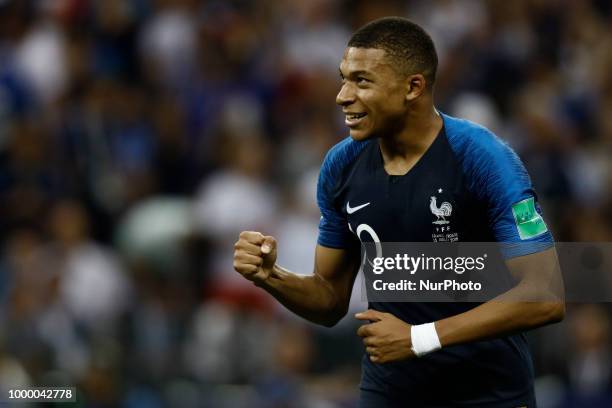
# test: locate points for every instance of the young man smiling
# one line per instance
(380, 184)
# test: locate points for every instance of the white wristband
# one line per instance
(424, 339)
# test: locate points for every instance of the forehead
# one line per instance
(372, 60)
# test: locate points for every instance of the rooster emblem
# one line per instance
(444, 210)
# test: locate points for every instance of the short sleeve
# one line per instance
(333, 226)
(513, 211)
(498, 178)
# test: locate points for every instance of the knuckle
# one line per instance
(251, 236)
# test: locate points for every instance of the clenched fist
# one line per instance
(254, 255)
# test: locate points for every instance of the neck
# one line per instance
(420, 128)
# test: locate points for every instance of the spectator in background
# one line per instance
(589, 365)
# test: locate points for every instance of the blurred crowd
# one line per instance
(139, 137)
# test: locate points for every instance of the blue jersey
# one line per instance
(471, 170)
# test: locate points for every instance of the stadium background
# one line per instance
(137, 138)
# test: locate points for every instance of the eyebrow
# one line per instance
(355, 73)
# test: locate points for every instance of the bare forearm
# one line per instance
(536, 300)
(504, 315)
(321, 298)
(310, 297)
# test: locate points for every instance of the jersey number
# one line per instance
(366, 228)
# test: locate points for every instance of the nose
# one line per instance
(346, 95)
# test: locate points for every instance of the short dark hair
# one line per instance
(410, 48)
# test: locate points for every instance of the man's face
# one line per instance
(373, 94)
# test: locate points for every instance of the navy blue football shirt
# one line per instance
(471, 178)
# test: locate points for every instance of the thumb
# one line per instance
(269, 245)
(268, 248)
(371, 315)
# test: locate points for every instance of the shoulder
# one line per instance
(341, 156)
(471, 140)
(481, 153)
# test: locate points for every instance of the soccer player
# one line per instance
(404, 169)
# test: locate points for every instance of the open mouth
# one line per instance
(351, 119)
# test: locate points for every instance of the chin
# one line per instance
(360, 135)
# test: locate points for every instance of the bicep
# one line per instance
(540, 272)
(338, 268)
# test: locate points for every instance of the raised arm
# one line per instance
(321, 298)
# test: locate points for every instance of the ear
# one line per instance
(416, 85)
